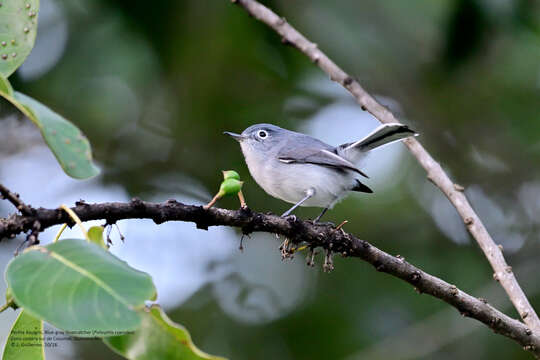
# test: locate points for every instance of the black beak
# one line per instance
(235, 136)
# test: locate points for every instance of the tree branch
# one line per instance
(503, 272)
(297, 231)
(15, 200)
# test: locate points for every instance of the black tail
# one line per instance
(361, 187)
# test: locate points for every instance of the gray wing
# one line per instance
(322, 155)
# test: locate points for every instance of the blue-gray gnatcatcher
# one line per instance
(305, 171)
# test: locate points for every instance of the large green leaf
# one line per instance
(66, 141)
(68, 144)
(26, 331)
(157, 338)
(78, 286)
(18, 29)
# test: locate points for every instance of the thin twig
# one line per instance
(242, 199)
(503, 272)
(15, 200)
(297, 231)
(212, 202)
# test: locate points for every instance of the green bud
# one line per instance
(230, 174)
(230, 187)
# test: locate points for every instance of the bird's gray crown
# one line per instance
(267, 127)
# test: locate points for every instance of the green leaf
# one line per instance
(77, 286)
(18, 29)
(26, 326)
(66, 141)
(68, 144)
(5, 86)
(157, 338)
(95, 234)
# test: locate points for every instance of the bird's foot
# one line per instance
(291, 217)
(322, 223)
(328, 262)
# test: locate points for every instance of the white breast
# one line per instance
(289, 182)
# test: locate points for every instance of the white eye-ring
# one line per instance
(262, 134)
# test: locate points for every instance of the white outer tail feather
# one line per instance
(382, 135)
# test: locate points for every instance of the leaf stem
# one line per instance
(243, 204)
(60, 233)
(76, 219)
(6, 305)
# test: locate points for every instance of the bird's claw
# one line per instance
(291, 217)
(323, 223)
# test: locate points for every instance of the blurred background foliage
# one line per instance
(154, 85)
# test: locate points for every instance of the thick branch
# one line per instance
(297, 231)
(503, 272)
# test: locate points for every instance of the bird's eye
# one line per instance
(262, 134)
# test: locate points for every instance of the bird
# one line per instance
(305, 171)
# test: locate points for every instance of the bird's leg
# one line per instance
(320, 215)
(316, 220)
(328, 262)
(309, 193)
(286, 250)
